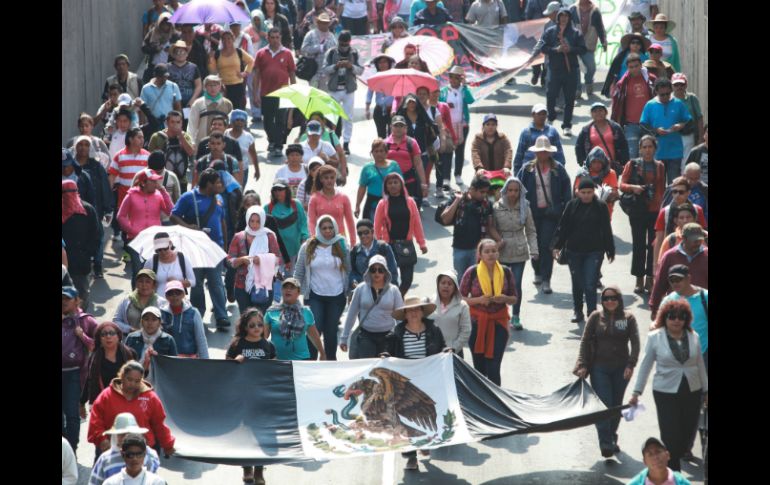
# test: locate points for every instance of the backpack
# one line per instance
(240, 57)
(177, 160)
(182, 264)
(73, 351)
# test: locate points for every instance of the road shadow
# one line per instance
(622, 247)
(518, 444)
(561, 301)
(308, 466)
(556, 477)
(465, 454)
(531, 338)
(429, 474)
(621, 465)
(433, 231)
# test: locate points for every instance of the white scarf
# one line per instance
(149, 340)
(260, 243)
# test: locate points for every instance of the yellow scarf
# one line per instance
(496, 281)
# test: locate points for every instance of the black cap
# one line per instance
(653, 441)
(679, 270)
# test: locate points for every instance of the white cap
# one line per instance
(539, 107)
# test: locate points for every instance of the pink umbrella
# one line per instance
(209, 12)
(400, 82)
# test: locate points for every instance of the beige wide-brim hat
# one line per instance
(180, 44)
(414, 302)
(457, 71)
(670, 24)
(542, 144)
(625, 41)
(125, 423)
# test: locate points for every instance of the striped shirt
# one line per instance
(414, 345)
(111, 462)
(126, 165)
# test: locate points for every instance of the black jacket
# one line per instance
(394, 341)
(81, 235)
(576, 229)
(583, 144)
(103, 199)
(557, 61)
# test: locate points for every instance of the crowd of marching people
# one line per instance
(163, 167)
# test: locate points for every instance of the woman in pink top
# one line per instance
(328, 200)
(141, 209)
(397, 221)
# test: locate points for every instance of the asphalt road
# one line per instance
(538, 360)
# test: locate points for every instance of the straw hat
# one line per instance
(542, 144)
(458, 71)
(414, 302)
(125, 423)
(625, 41)
(670, 24)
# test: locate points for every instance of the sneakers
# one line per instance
(440, 193)
(98, 273)
(276, 153)
(639, 287)
(577, 318)
(578, 96)
(607, 453)
(516, 323)
(538, 280)
(547, 287)
(533, 81)
(411, 463)
(589, 89)
(459, 179)
(567, 131)
(688, 456)
(346, 147)
(223, 324)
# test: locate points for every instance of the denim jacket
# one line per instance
(186, 328)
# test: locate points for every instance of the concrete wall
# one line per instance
(93, 33)
(692, 33)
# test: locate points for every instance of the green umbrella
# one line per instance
(310, 100)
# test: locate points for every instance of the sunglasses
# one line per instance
(255, 325)
(109, 333)
(175, 293)
(364, 233)
(137, 454)
(377, 270)
(610, 298)
(675, 192)
(676, 316)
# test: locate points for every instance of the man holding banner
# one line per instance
(563, 44)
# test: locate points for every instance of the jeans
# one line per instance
(381, 121)
(633, 133)
(518, 275)
(609, 384)
(460, 153)
(589, 61)
(490, 368)
(545, 228)
(368, 345)
(213, 277)
(678, 415)
(463, 259)
(137, 263)
(272, 123)
(584, 270)
(327, 311)
(673, 168)
(70, 406)
(642, 236)
(561, 82)
(346, 100)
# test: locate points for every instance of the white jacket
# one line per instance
(668, 370)
(455, 324)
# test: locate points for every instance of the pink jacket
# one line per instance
(140, 211)
(382, 222)
(338, 207)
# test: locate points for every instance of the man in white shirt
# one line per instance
(133, 449)
(238, 132)
(487, 13)
(354, 15)
(314, 146)
(293, 173)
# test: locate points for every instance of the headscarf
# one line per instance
(70, 201)
(596, 153)
(523, 202)
(158, 37)
(260, 243)
(320, 237)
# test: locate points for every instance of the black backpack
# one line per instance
(240, 57)
(177, 160)
(182, 264)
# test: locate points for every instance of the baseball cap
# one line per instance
(148, 273)
(124, 99)
(291, 281)
(280, 184)
(315, 161)
(160, 70)
(69, 291)
(239, 114)
(398, 120)
(151, 310)
(679, 78)
(598, 104)
(551, 8)
(489, 117)
(693, 232)
(679, 270)
(314, 128)
(152, 174)
(655, 46)
(653, 441)
(539, 108)
(174, 285)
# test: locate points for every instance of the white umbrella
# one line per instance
(198, 249)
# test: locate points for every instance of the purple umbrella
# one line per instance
(209, 12)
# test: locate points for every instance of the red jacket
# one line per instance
(139, 210)
(382, 222)
(621, 94)
(146, 408)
